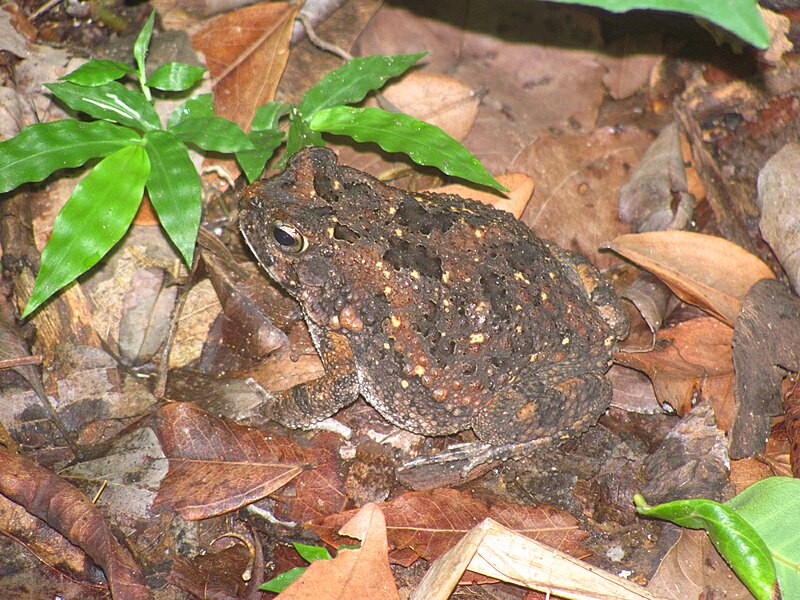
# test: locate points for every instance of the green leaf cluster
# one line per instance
(757, 533)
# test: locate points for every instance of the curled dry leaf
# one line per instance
(246, 51)
(359, 573)
(704, 270)
(520, 184)
(73, 515)
(216, 466)
(437, 99)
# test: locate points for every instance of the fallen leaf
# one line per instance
(73, 515)
(519, 184)
(628, 61)
(704, 270)
(214, 574)
(360, 573)
(246, 51)
(691, 358)
(216, 466)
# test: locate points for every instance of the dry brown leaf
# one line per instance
(693, 356)
(437, 99)
(704, 270)
(427, 524)
(360, 573)
(521, 187)
(246, 51)
(577, 185)
(216, 466)
(628, 61)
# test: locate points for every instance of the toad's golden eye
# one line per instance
(288, 237)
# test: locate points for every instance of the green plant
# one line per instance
(310, 553)
(756, 532)
(138, 153)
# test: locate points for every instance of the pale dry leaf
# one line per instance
(519, 184)
(707, 271)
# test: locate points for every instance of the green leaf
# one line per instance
(175, 77)
(213, 133)
(771, 506)
(425, 144)
(111, 101)
(43, 148)
(175, 191)
(312, 553)
(280, 582)
(354, 80)
(92, 221)
(97, 72)
(741, 17)
(142, 43)
(201, 105)
(268, 115)
(300, 135)
(253, 162)
(735, 539)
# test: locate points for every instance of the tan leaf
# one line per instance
(693, 356)
(246, 51)
(360, 573)
(521, 187)
(437, 99)
(216, 466)
(704, 270)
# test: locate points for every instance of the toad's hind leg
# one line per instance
(539, 408)
(308, 404)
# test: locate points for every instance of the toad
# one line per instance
(443, 313)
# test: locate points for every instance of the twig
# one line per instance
(319, 42)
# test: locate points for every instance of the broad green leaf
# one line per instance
(253, 162)
(111, 101)
(311, 553)
(97, 72)
(279, 583)
(355, 79)
(201, 105)
(175, 77)
(212, 133)
(142, 43)
(175, 191)
(268, 115)
(741, 17)
(425, 144)
(92, 221)
(771, 506)
(300, 135)
(44, 148)
(735, 539)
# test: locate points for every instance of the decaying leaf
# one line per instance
(704, 270)
(246, 51)
(216, 466)
(520, 184)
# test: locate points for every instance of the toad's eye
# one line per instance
(289, 238)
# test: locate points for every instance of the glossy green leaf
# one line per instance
(771, 506)
(44, 148)
(198, 106)
(111, 101)
(175, 77)
(97, 72)
(212, 133)
(174, 189)
(312, 553)
(425, 144)
(253, 162)
(142, 43)
(735, 539)
(279, 583)
(351, 82)
(92, 221)
(741, 17)
(299, 136)
(268, 115)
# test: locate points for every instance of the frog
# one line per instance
(445, 314)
